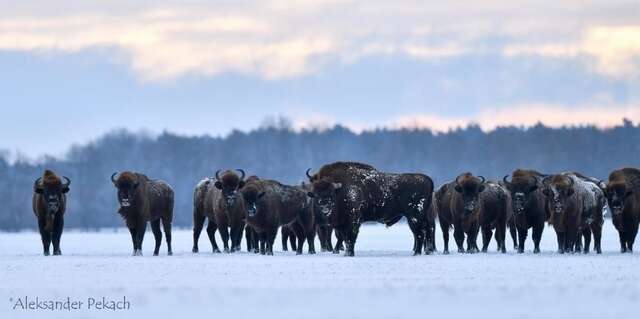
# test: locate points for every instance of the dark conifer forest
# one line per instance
(278, 152)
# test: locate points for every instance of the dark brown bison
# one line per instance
(323, 227)
(49, 205)
(623, 196)
(144, 200)
(574, 205)
(203, 203)
(528, 205)
(350, 193)
(270, 205)
(250, 234)
(470, 204)
(229, 208)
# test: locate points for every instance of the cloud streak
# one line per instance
(284, 39)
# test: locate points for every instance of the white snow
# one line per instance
(382, 281)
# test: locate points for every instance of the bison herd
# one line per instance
(340, 196)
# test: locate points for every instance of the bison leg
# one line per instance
(134, 239)
(472, 240)
(536, 234)
(58, 225)
(561, 242)
(458, 235)
(224, 235)
(140, 230)
(284, 236)
(328, 231)
(486, 237)
(514, 236)
(339, 241)
(350, 240)
(263, 243)
(248, 238)
(166, 225)
(157, 234)
(418, 235)
(596, 228)
(198, 224)
(586, 233)
(45, 236)
(522, 237)
(623, 242)
(211, 232)
(236, 237)
(632, 237)
(271, 238)
(501, 230)
(444, 227)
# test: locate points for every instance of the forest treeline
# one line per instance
(278, 152)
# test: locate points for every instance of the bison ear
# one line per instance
(627, 194)
(38, 190)
(241, 184)
(458, 189)
(311, 195)
(136, 185)
(337, 186)
(533, 188)
(218, 185)
(570, 191)
(65, 190)
(260, 195)
(481, 189)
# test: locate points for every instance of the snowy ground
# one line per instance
(382, 281)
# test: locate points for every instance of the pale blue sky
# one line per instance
(73, 71)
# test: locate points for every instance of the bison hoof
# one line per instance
(536, 250)
(312, 252)
(155, 253)
(57, 253)
(560, 251)
(46, 253)
(336, 251)
(137, 252)
(298, 253)
(216, 250)
(520, 251)
(285, 249)
(445, 252)
(194, 250)
(461, 250)
(269, 253)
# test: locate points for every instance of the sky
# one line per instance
(71, 71)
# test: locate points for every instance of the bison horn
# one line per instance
(482, 179)
(37, 182)
(68, 181)
(307, 173)
(218, 175)
(572, 182)
(113, 177)
(545, 180)
(241, 172)
(457, 183)
(504, 179)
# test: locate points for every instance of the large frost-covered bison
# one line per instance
(528, 204)
(144, 200)
(49, 205)
(574, 204)
(623, 197)
(269, 205)
(351, 193)
(470, 204)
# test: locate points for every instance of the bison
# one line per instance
(574, 205)
(470, 204)
(229, 208)
(350, 193)
(269, 205)
(144, 200)
(203, 203)
(49, 205)
(528, 203)
(623, 197)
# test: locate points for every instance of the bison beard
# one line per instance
(350, 193)
(49, 204)
(623, 197)
(143, 200)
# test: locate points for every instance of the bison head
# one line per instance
(229, 183)
(521, 187)
(127, 184)
(470, 188)
(51, 187)
(558, 189)
(252, 195)
(617, 193)
(324, 195)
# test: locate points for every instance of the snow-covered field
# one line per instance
(382, 281)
